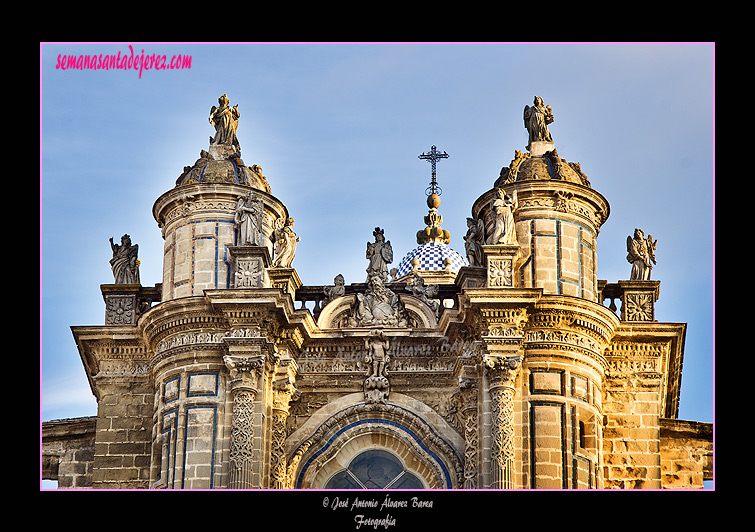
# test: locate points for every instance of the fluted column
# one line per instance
(502, 372)
(245, 373)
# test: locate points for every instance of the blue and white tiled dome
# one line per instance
(431, 258)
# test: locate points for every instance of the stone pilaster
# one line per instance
(245, 374)
(469, 388)
(284, 391)
(502, 372)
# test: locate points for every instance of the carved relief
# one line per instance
(120, 310)
(638, 306)
(500, 272)
(249, 273)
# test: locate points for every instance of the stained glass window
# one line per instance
(375, 469)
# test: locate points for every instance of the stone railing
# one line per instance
(313, 297)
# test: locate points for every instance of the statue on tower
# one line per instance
(248, 220)
(380, 254)
(125, 264)
(285, 243)
(500, 228)
(225, 120)
(641, 254)
(536, 120)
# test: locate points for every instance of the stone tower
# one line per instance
(502, 371)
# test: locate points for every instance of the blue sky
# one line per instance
(337, 129)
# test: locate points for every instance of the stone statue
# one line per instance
(641, 254)
(380, 254)
(473, 241)
(225, 120)
(376, 384)
(377, 357)
(337, 290)
(248, 219)
(285, 243)
(500, 227)
(426, 293)
(125, 264)
(536, 120)
(378, 306)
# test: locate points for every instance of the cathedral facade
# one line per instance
(506, 366)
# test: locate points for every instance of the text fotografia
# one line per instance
(123, 61)
(359, 505)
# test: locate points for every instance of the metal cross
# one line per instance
(434, 156)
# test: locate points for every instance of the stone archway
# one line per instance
(349, 433)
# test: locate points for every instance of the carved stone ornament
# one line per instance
(503, 369)
(244, 371)
(120, 309)
(501, 265)
(248, 273)
(500, 272)
(638, 306)
(248, 266)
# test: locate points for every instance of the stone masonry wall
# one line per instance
(68, 452)
(686, 453)
(631, 433)
(123, 434)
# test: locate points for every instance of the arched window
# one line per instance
(375, 469)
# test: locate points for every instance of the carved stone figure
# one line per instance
(380, 254)
(377, 357)
(378, 306)
(536, 120)
(248, 219)
(125, 264)
(473, 241)
(500, 227)
(337, 290)
(225, 120)
(376, 385)
(426, 293)
(641, 254)
(285, 243)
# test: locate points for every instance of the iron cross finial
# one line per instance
(433, 156)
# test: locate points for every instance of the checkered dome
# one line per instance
(431, 258)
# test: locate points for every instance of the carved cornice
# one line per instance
(209, 199)
(650, 354)
(110, 351)
(569, 200)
